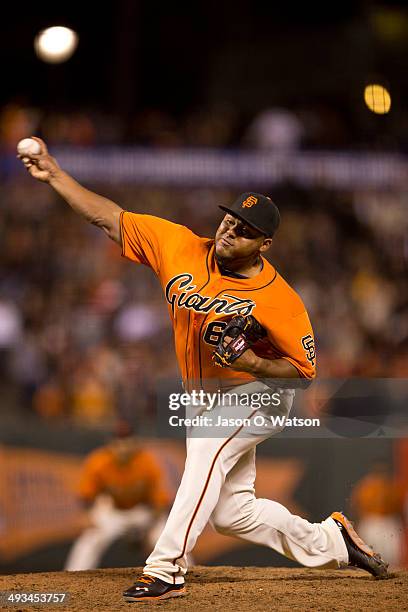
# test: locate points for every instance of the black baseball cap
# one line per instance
(256, 210)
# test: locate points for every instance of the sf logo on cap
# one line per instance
(249, 202)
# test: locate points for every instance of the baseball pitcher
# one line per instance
(238, 326)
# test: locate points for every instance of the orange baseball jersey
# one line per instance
(139, 481)
(201, 300)
(377, 495)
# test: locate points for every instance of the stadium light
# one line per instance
(55, 45)
(377, 98)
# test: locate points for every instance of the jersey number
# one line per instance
(214, 331)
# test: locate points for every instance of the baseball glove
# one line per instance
(244, 331)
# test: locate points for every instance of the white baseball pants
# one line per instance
(109, 524)
(218, 486)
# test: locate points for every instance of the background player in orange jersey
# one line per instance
(124, 487)
(378, 503)
(206, 282)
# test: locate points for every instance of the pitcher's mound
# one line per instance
(241, 589)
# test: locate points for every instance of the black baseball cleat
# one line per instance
(360, 554)
(149, 588)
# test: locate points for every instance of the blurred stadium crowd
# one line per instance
(85, 335)
(312, 125)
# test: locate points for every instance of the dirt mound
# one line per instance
(221, 588)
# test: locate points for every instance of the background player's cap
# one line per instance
(123, 429)
(256, 210)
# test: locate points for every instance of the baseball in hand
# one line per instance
(28, 146)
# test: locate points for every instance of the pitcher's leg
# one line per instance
(208, 462)
(269, 523)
